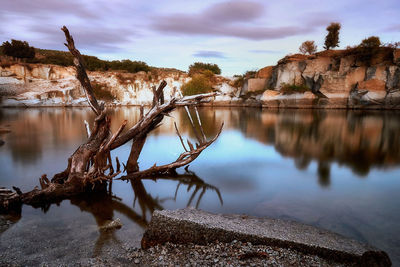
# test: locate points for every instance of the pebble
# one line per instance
(227, 254)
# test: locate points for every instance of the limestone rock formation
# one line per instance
(337, 79)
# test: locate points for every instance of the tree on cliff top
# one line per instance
(308, 47)
(332, 38)
(18, 49)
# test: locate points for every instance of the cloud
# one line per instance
(86, 37)
(47, 7)
(392, 28)
(265, 51)
(233, 11)
(209, 54)
(318, 19)
(223, 20)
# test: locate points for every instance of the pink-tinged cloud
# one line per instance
(209, 54)
(225, 19)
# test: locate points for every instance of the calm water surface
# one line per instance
(339, 170)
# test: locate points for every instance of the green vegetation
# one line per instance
(239, 81)
(288, 89)
(308, 47)
(199, 67)
(199, 84)
(92, 63)
(371, 49)
(332, 38)
(371, 42)
(17, 49)
(101, 92)
(21, 49)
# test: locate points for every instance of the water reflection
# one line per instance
(357, 139)
(103, 206)
(302, 165)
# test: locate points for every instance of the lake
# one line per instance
(335, 169)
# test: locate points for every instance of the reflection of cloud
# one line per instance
(209, 54)
(222, 20)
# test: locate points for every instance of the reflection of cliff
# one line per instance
(355, 139)
(34, 129)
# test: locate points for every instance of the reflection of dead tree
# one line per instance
(90, 167)
(149, 204)
(190, 179)
(102, 206)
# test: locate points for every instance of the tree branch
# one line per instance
(183, 159)
(81, 72)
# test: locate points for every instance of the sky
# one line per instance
(238, 35)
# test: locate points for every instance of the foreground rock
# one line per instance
(194, 226)
(235, 253)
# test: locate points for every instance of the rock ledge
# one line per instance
(200, 227)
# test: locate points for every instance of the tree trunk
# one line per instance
(90, 167)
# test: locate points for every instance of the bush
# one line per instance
(128, 65)
(18, 49)
(101, 92)
(288, 89)
(370, 50)
(308, 47)
(92, 63)
(199, 84)
(239, 81)
(371, 42)
(199, 67)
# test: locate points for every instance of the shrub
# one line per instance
(199, 84)
(128, 65)
(370, 50)
(18, 49)
(371, 42)
(101, 92)
(332, 38)
(199, 67)
(308, 47)
(239, 81)
(92, 63)
(288, 89)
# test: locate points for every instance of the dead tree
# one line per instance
(90, 167)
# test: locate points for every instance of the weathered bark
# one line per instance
(90, 167)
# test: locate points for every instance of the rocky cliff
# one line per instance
(328, 79)
(331, 79)
(50, 85)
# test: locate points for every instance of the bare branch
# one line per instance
(184, 159)
(180, 137)
(87, 128)
(148, 122)
(81, 72)
(107, 146)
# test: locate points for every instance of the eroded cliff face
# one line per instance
(334, 79)
(50, 85)
(329, 79)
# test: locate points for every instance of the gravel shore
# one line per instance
(216, 254)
